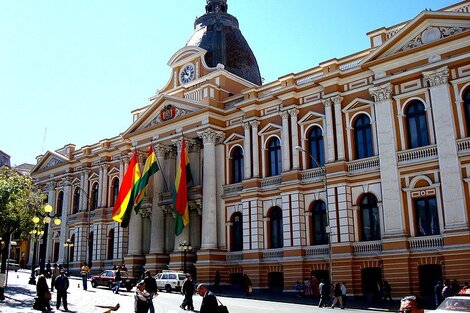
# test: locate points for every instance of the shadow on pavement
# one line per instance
(26, 301)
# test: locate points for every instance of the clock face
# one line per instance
(187, 73)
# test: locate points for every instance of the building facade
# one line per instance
(356, 170)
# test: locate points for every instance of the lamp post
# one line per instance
(47, 218)
(36, 233)
(68, 244)
(185, 247)
(328, 227)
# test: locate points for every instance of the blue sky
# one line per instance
(72, 71)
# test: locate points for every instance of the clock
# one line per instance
(187, 73)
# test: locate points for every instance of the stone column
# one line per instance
(339, 127)
(135, 234)
(455, 213)
(184, 236)
(390, 182)
(51, 197)
(157, 237)
(247, 151)
(209, 207)
(84, 196)
(295, 138)
(104, 186)
(330, 141)
(100, 185)
(66, 209)
(285, 142)
(255, 139)
(194, 153)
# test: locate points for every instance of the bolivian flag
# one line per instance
(150, 168)
(127, 192)
(180, 192)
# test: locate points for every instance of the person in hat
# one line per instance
(151, 288)
(209, 301)
(411, 304)
(141, 297)
(188, 291)
(61, 285)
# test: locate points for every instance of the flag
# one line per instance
(150, 168)
(180, 191)
(127, 193)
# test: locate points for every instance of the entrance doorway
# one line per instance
(372, 283)
(428, 276)
(276, 281)
(322, 275)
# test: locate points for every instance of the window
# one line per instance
(115, 190)
(319, 223)
(110, 244)
(275, 223)
(237, 232)
(60, 203)
(363, 137)
(315, 147)
(370, 218)
(274, 157)
(417, 125)
(94, 196)
(237, 165)
(426, 215)
(76, 200)
(466, 104)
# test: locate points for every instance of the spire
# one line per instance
(216, 6)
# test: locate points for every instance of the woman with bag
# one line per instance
(141, 297)
(43, 295)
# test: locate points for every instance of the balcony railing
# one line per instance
(273, 254)
(270, 181)
(312, 174)
(233, 188)
(363, 165)
(368, 247)
(235, 256)
(417, 154)
(313, 251)
(195, 95)
(426, 243)
(463, 145)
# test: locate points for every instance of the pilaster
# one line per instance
(285, 142)
(255, 140)
(295, 138)
(339, 127)
(247, 150)
(330, 142)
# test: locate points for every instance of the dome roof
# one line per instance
(218, 33)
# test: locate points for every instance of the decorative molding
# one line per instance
(337, 99)
(167, 113)
(430, 34)
(293, 112)
(145, 212)
(327, 102)
(52, 163)
(211, 136)
(437, 77)
(284, 115)
(381, 93)
(254, 123)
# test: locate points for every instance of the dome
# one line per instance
(218, 33)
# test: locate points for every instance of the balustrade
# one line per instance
(427, 152)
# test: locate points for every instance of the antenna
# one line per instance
(44, 139)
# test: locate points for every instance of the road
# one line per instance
(20, 298)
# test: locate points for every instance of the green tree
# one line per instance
(19, 203)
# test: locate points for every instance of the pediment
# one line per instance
(186, 54)
(424, 30)
(357, 103)
(310, 117)
(234, 138)
(94, 176)
(113, 171)
(50, 159)
(271, 127)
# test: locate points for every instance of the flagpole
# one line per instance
(163, 175)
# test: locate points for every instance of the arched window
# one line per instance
(466, 105)
(237, 232)
(76, 200)
(237, 165)
(60, 203)
(319, 223)
(275, 227)
(274, 157)
(115, 190)
(110, 244)
(417, 125)
(94, 196)
(370, 221)
(315, 147)
(363, 137)
(426, 216)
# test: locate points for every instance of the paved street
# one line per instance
(20, 298)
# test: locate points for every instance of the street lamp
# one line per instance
(68, 244)
(185, 247)
(47, 218)
(36, 233)
(328, 227)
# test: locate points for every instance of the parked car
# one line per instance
(106, 278)
(170, 280)
(12, 265)
(454, 304)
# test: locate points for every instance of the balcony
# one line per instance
(463, 145)
(312, 174)
(363, 165)
(230, 190)
(234, 256)
(270, 182)
(317, 251)
(368, 247)
(426, 243)
(417, 154)
(273, 254)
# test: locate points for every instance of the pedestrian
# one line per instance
(247, 286)
(61, 285)
(141, 296)
(209, 301)
(324, 290)
(447, 290)
(151, 288)
(307, 288)
(315, 287)
(84, 273)
(438, 298)
(456, 287)
(48, 270)
(343, 293)
(117, 280)
(188, 291)
(217, 280)
(55, 273)
(298, 289)
(337, 296)
(43, 295)
(387, 291)
(411, 304)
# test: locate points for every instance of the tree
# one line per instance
(19, 203)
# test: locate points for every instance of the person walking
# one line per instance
(151, 288)
(84, 273)
(447, 291)
(61, 285)
(141, 297)
(438, 293)
(298, 289)
(343, 293)
(188, 291)
(48, 270)
(209, 301)
(43, 295)
(55, 273)
(387, 292)
(337, 296)
(324, 290)
(117, 280)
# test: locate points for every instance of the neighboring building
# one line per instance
(390, 125)
(4, 159)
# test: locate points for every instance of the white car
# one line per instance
(169, 280)
(454, 304)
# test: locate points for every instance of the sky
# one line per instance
(72, 71)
